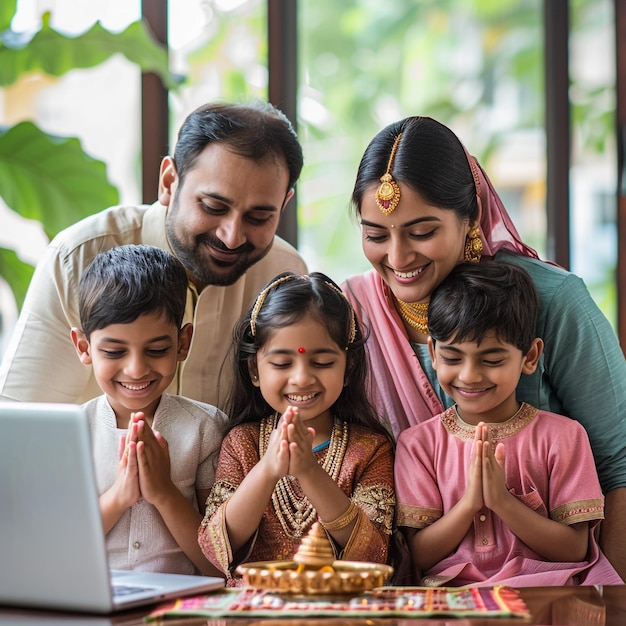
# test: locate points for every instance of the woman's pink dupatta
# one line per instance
(400, 390)
(497, 229)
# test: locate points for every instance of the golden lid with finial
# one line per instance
(315, 571)
(315, 549)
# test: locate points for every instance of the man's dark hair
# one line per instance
(253, 131)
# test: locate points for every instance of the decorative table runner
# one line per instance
(409, 602)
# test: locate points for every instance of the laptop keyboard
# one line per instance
(124, 590)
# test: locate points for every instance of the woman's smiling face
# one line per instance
(413, 248)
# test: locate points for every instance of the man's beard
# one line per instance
(196, 263)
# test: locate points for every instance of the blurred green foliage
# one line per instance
(47, 178)
(477, 66)
(362, 64)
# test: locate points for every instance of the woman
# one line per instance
(426, 205)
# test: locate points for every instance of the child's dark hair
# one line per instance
(478, 298)
(284, 301)
(125, 282)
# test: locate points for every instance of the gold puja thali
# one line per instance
(314, 571)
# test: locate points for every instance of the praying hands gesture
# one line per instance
(125, 490)
(486, 484)
(299, 438)
(486, 489)
(275, 461)
(289, 453)
(143, 471)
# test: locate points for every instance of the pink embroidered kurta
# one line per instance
(366, 476)
(548, 466)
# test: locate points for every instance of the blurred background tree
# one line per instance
(478, 67)
(475, 65)
(45, 177)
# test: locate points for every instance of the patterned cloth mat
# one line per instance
(382, 602)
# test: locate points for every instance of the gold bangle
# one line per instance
(344, 519)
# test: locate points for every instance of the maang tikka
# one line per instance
(388, 193)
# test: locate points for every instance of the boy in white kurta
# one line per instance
(154, 452)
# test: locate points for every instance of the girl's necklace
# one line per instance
(295, 513)
(415, 314)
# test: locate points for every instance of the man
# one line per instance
(220, 199)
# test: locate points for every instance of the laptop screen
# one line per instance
(52, 546)
(51, 540)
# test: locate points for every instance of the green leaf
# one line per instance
(16, 273)
(7, 11)
(50, 179)
(56, 54)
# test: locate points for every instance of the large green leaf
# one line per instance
(55, 54)
(16, 273)
(7, 11)
(51, 179)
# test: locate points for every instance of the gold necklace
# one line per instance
(415, 314)
(295, 513)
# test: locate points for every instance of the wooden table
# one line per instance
(566, 606)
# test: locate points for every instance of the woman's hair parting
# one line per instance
(284, 301)
(476, 299)
(428, 157)
(128, 281)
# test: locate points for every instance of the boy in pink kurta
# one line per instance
(549, 467)
(494, 491)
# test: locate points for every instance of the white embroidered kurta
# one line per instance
(193, 430)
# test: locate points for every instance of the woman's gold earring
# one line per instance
(473, 246)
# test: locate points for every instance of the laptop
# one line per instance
(52, 548)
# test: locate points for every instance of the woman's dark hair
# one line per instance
(478, 298)
(284, 303)
(429, 158)
(128, 281)
(254, 131)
